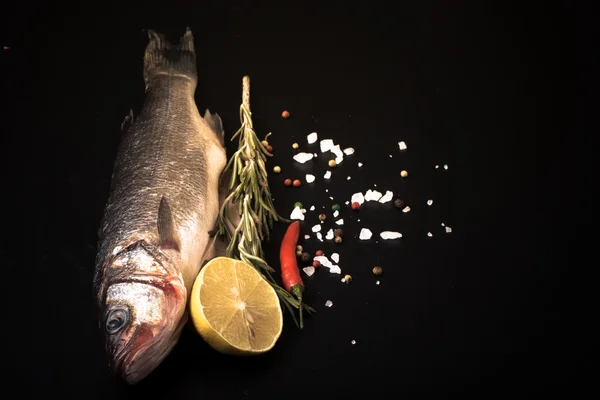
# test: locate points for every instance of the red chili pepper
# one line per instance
(290, 273)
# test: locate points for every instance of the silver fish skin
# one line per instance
(164, 200)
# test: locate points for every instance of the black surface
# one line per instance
(476, 311)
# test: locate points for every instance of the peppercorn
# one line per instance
(299, 247)
(338, 239)
(305, 257)
(297, 204)
(338, 231)
(347, 279)
(404, 173)
(285, 114)
(398, 203)
(316, 264)
(322, 217)
(270, 148)
(297, 183)
(287, 182)
(377, 271)
(299, 253)
(319, 253)
(277, 169)
(332, 163)
(295, 146)
(264, 143)
(355, 206)
(336, 207)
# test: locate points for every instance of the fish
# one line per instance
(157, 229)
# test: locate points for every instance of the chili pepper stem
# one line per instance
(297, 290)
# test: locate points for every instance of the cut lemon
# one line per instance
(234, 309)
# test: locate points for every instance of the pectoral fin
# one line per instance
(168, 236)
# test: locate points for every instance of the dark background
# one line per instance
(470, 85)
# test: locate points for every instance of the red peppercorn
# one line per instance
(285, 114)
(287, 182)
(355, 206)
(319, 253)
(297, 183)
(270, 148)
(316, 264)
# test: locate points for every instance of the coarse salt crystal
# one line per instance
(328, 303)
(335, 269)
(310, 178)
(306, 236)
(326, 145)
(315, 154)
(360, 164)
(316, 228)
(339, 155)
(353, 342)
(309, 270)
(312, 137)
(448, 229)
(327, 175)
(406, 209)
(387, 197)
(312, 208)
(443, 224)
(347, 202)
(429, 234)
(372, 195)
(303, 157)
(335, 257)
(329, 235)
(445, 166)
(331, 197)
(377, 283)
(319, 236)
(390, 235)
(402, 145)
(348, 178)
(357, 198)
(365, 234)
(429, 202)
(390, 156)
(297, 214)
(340, 222)
(348, 151)
(437, 166)
(336, 213)
(304, 211)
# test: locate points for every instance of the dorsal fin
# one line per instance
(168, 236)
(127, 122)
(215, 123)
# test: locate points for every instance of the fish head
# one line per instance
(143, 314)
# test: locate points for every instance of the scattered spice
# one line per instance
(297, 204)
(398, 203)
(338, 239)
(285, 114)
(299, 253)
(295, 146)
(338, 231)
(322, 217)
(355, 206)
(287, 182)
(319, 253)
(336, 207)
(429, 202)
(377, 271)
(277, 169)
(347, 279)
(299, 247)
(332, 163)
(270, 148)
(305, 257)
(316, 264)
(297, 183)
(403, 173)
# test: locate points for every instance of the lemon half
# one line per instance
(234, 309)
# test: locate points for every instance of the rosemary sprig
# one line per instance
(251, 196)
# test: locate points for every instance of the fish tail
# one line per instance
(163, 58)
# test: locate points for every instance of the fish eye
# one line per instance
(116, 320)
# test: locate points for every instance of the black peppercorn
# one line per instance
(338, 232)
(398, 203)
(306, 257)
